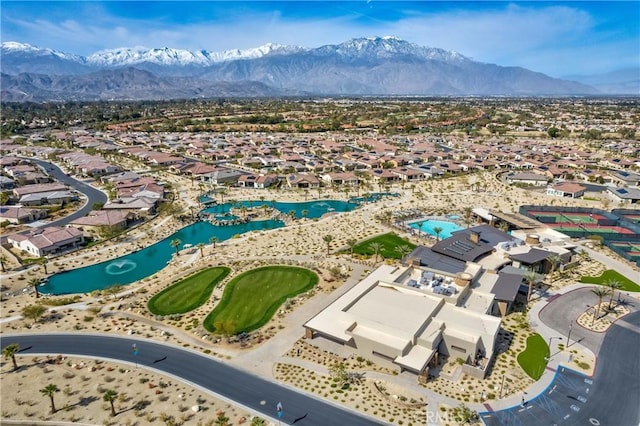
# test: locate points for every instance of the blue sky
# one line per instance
(557, 38)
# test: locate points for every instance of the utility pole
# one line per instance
(569, 335)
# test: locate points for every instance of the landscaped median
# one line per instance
(253, 297)
(533, 359)
(189, 293)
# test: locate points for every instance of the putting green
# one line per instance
(253, 297)
(533, 359)
(187, 294)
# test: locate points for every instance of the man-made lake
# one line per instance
(147, 261)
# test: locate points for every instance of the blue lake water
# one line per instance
(428, 226)
(312, 209)
(147, 261)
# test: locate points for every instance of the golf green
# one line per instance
(187, 294)
(253, 297)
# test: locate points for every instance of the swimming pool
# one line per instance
(428, 226)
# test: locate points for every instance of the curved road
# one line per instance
(92, 194)
(194, 368)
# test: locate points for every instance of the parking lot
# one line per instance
(559, 404)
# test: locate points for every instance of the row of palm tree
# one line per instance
(10, 351)
(609, 289)
(175, 243)
(51, 389)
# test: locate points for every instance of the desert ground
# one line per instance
(145, 397)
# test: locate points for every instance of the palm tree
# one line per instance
(351, 242)
(35, 282)
(467, 212)
(3, 259)
(201, 246)
(613, 286)
(530, 277)
(420, 228)
(49, 391)
(375, 247)
(175, 244)
(437, 230)
(304, 213)
(554, 260)
(327, 239)
(600, 292)
(110, 396)
(44, 262)
(403, 250)
(213, 240)
(10, 351)
(222, 192)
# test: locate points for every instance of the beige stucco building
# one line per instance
(395, 318)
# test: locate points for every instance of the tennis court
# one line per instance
(635, 218)
(583, 217)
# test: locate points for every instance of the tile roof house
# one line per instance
(302, 180)
(97, 219)
(572, 190)
(47, 241)
(18, 214)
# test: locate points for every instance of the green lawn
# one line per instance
(188, 294)
(532, 359)
(610, 274)
(253, 297)
(389, 242)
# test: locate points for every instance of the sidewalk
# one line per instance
(558, 358)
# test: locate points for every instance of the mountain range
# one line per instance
(362, 66)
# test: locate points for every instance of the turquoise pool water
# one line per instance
(428, 226)
(145, 262)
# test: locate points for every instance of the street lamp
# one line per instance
(569, 335)
(593, 318)
(550, 339)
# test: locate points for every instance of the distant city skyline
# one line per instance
(556, 38)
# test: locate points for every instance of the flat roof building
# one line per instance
(391, 319)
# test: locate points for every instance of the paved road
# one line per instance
(92, 194)
(241, 387)
(610, 398)
(560, 311)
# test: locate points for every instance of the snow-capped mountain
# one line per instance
(362, 66)
(388, 47)
(179, 57)
(27, 49)
(127, 56)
